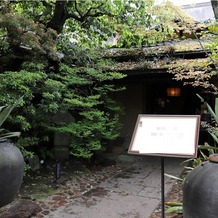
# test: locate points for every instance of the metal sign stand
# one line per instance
(165, 136)
(57, 173)
(162, 188)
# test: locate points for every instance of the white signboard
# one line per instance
(166, 135)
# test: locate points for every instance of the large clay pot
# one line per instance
(11, 172)
(200, 193)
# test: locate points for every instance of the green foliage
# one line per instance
(134, 21)
(177, 209)
(4, 113)
(92, 23)
(52, 61)
(82, 89)
(24, 33)
(212, 128)
(200, 73)
(214, 44)
(174, 207)
(97, 114)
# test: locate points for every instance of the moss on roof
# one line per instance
(154, 50)
(164, 64)
(190, 49)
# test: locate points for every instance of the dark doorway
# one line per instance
(182, 100)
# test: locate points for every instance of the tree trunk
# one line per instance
(59, 17)
(214, 4)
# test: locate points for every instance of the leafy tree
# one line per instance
(79, 83)
(201, 74)
(50, 55)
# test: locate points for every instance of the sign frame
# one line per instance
(163, 132)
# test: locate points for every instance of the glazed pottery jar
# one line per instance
(200, 193)
(11, 172)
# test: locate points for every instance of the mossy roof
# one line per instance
(161, 56)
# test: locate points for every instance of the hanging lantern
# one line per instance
(173, 92)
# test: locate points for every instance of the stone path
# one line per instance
(132, 191)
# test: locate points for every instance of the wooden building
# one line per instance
(150, 88)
